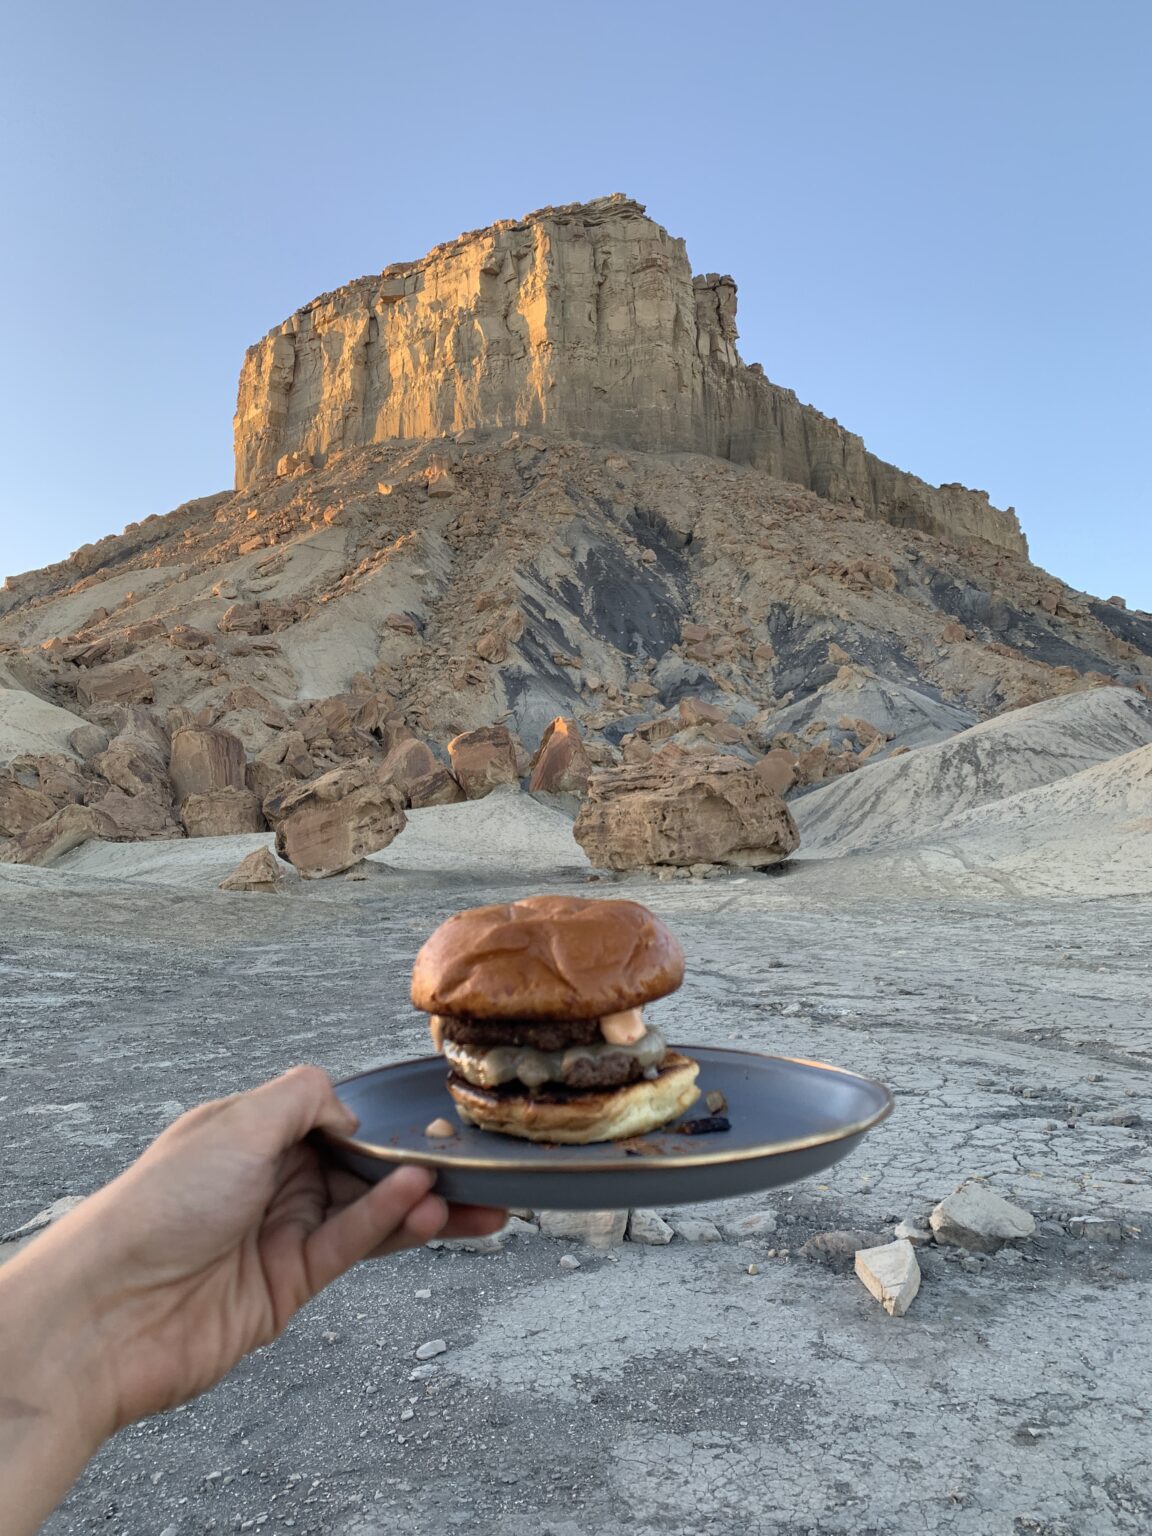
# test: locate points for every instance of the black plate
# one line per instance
(789, 1118)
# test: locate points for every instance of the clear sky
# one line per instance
(938, 217)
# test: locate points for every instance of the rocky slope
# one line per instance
(585, 320)
(367, 604)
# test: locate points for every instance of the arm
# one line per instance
(152, 1289)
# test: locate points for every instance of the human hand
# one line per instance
(208, 1244)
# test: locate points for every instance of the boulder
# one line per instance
(483, 759)
(86, 740)
(128, 765)
(977, 1218)
(22, 808)
(135, 818)
(330, 824)
(561, 766)
(115, 685)
(695, 712)
(227, 812)
(407, 763)
(260, 871)
(684, 812)
(436, 788)
(62, 832)
(779, 769)
(206, 760)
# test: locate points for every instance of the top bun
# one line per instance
(548, 957)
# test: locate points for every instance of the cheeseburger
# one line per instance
(538, 1008)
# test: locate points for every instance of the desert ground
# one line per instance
(648, 1389)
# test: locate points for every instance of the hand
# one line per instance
(211, 1241)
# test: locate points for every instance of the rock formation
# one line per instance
(709, 811)
(584, 320)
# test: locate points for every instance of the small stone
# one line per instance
(971, 1265)
(422, 1372)
(430, 1350)
(330, 1338)
(694, 1229)
(517, 1227)
(1100, 1229)
(408, 1413)
(837, 1250)
(569, 1261)
(423, 1295)
(647, 1227)
(914, 1231)
(891, 1274)
(758, 1224)
(977, 1218)
(753, 1269)
(791, 1011)
(43, 1218)
(599, 1229)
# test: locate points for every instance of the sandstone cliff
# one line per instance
(584, 320)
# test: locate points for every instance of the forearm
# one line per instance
(50, 1418)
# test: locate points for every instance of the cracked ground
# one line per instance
(651, 1389)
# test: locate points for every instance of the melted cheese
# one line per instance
(524, 1063)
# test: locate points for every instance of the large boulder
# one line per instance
(22, 808)
(484, 759)
(435, 788)
(205, 760)
(226, 812)
(561, 765)
(49, 841)
(690, 811)
(407, 763)
(135, 818)
(330, 824)
(115, 685)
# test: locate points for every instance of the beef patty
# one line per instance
(544, 1034)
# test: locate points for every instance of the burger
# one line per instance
(537, 1007)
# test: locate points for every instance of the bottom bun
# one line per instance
(602, 1115)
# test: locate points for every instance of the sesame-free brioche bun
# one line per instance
(603, 1116)
(547, 957)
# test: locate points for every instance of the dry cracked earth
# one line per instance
(649, 1390)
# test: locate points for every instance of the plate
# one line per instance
(789, 1119)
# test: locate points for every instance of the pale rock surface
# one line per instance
(330, 824)
(22, 808)
(977, 1218)
(649, 1227)
(711, 811)
(891, 1273)
(907, 799)
(583, 319)
(484, 759)
(30, 725)
(598, 1229)
(756, 1224)
(115, 685)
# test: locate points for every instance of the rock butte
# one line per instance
(584, 319)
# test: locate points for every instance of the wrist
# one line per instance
(50, 1341)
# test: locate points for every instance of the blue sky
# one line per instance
(938, 217)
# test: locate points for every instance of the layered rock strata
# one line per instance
(584, 319)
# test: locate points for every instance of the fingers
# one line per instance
(397, 1212)
(283, 1111)
(463, 1221)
